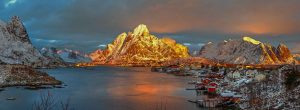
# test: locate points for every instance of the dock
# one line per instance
(209, 103)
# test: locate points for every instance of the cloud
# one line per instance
(101, 45)
(52, 41)
(47, 41)
(10, 2)
(231, 16)
(195, 21)
(94, 17)
(200, 44)
(187, 44)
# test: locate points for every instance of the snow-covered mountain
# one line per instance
(73, 56)
(65, 55)
(16, 48)
(246, 51)
(51, 53)
(139, 48)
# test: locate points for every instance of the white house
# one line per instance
(251, 73)
(234, 74)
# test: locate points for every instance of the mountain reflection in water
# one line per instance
(109, 88)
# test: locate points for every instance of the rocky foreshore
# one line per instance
(20, 75)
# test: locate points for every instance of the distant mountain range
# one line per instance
(247, 51)
(65, 55)
(139, 48)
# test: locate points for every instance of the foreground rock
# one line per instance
(16, 48)
(247, 51)
(277, 90)
(19, 75)
(139, 48)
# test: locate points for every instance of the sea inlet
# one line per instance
(107, 88)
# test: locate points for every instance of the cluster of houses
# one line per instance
(220, 83)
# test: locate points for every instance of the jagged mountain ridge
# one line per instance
(16, 48)
(51, 53)
(246, 51)
(139, 48)
(65, 55)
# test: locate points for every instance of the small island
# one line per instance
(20, 75)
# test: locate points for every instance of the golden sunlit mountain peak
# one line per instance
(251, 40)
(141, 30)
(139, 48)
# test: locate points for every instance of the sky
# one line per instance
(90, 24)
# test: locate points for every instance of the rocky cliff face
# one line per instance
(16, 48)
(139, 48)
(246, 51)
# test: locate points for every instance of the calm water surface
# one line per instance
(108, 88)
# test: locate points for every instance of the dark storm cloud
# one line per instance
(89, 23)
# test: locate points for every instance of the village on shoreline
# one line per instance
(240, 86)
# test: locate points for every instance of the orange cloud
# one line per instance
(267, 17)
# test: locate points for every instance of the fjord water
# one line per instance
(108, 88)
